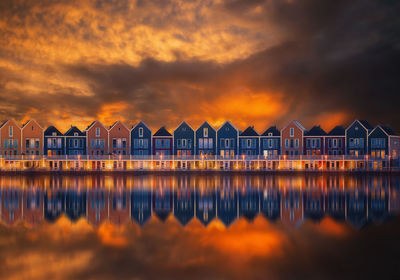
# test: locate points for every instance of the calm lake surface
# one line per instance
(189, 226)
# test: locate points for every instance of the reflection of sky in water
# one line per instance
(214, 226)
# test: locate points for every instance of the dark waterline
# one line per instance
(199, 226)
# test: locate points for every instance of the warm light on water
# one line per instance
(208, 226)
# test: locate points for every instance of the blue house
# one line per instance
(249, 142)
(54, 142)
(184, 140)
(206, 206)
(141, 140)
(162, 203)
(270, 142)
(75, 141)
(141, 205)
(356, 208)
(184, 205)
(379, 141)
(206, 140)
(314, 204)
(162, 143)
(227, 137)
(357, 138)
(75, 204)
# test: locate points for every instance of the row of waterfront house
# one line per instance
(359, 139)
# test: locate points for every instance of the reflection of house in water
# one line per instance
(292, 207)
(162, 203)
(141, 205)
(54, 204)
(378, 201)
(227, 205)
(97, 211)
(205, 206)
(356, 207)
(314, 204)
(394, 201)
(184, 205)
(336, 204)
(271, 203)
(11, 205)
(119, 206)
(33, 206)
(249, 203)
(75, 204)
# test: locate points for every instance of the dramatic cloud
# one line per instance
(252, 62)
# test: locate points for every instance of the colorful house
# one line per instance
(141, 140)
(227, 138)
(292, 138)
(119, 139)
(336, 204)
(54, 142)
(270, 142)
(314, 140)
(357, 138)
(382, 142)
(335, 141)
(32, 138)
(206, 140)
(10, 137)
(184, 140)
(97, 139)
(162, 142)
(75, 142)
(249, 142)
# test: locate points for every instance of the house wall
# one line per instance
(15, 149)
(377, 149)
(117, 134)
(316, 150)
(137, 148)
(186, 133)
(266, 150)
(338, 150)
(32, 131)
(298, 135)
(356, 131)
(254, 145)
(166, 149)
(225, 133)
(91, 135)
(212, 134)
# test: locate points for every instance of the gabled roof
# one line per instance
(298, 124)
(90, 125)
(388, 130)
(114, 124)
(315, 131)
(363, 123)
(337, 131)
(4, 123)
(184, 123)
(206, 123)
(140, 122)
(72, 130)
(249, 132)
(228, 122)
(31, 120)
(162, 132)
(51, 129)
(273, 130)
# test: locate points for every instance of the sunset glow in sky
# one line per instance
(252, 62)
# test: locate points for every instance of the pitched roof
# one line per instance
(141, 123)
(72, 130)
(205, 123)
(51, 129)
(299, 125)
(273, 130)
(366, 124)
(9, 120)
(388, 130)
(162, 132)
(90, 125)
(315, 131)
(249, 132)
(337, 131)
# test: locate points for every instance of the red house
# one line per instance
(292, 138)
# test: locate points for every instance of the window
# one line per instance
(210, 143)
(97, 131)
(140, 131)
(227, 143)
(27, 142)
(205, 132)
(286, 143)
(75, 133)
(10, 131)
(114, 143)
(248, 143)
(297, 143)
(124, 143)
(269, 133)
(37, 145)
(75, 143)
(54, 133)
(184, 142)
(291, 132)
(5, 143)
(201, 141)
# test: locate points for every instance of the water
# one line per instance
(199, 226)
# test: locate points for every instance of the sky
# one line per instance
(253, 62)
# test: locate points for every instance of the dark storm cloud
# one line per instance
(317, 59)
